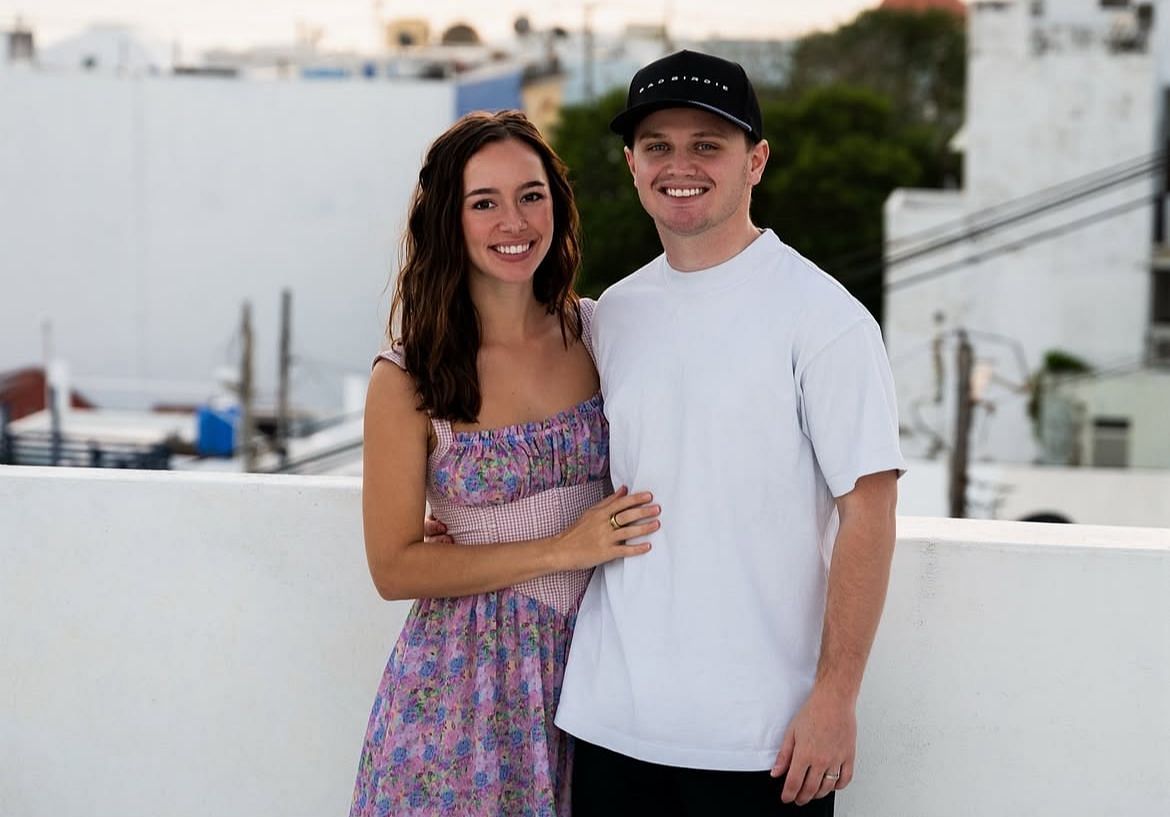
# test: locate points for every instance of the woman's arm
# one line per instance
(403, 565)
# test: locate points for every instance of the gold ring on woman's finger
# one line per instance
(613, 523)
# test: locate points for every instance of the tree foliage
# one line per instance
(837, 154)
(917, 60)
(617, 235)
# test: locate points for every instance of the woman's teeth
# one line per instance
(513, 249)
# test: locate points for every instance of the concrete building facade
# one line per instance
(1048, 245)
(138, 213)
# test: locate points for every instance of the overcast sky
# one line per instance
(198, 24)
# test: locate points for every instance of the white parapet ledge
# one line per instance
(931, 530)
(911, 529)
(83, 475)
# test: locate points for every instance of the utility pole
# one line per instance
(282, 419)
(246, 419)
(587, 38)
(52, 398)
(958, 481)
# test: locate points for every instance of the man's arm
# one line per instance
(822, 738)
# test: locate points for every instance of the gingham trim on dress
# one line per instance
(532, 517)
(536, 516)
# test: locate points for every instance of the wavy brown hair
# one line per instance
(439, 329)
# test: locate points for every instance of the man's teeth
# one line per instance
(513, 249)
(683, 193)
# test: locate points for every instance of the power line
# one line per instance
(1012, 246)
(1111, 176)
(1043, 194)
(862, 276)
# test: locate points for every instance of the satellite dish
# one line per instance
(522, 26)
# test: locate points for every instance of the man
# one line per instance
(718, 674)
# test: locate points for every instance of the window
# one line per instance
(1160, 312)
(1111, 442)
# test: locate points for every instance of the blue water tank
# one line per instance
(216, 429)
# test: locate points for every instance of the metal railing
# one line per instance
(48, 449)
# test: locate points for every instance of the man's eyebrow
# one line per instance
(491, 191)
(701, 134)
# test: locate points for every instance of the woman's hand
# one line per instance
(604, 532)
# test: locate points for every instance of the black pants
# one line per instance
(606, 784)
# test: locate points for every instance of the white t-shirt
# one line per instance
(746, 397)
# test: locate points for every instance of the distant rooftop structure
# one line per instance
(22, 392)
(953, 6)
(407, 32)
(107, 48)
(17, 44)
(767, 62)
(461, 34)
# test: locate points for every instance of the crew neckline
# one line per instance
(726, 273)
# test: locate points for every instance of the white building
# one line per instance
(138, 212)
(1048, 246)
(109, 49)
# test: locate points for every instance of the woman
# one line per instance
(487, 405)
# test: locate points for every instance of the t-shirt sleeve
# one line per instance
(848, 409)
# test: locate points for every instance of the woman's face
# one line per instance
(507, 211)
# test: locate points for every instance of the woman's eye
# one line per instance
(531, 197)
(483, 204)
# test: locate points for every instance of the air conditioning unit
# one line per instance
(1158, 345)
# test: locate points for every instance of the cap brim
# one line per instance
(624, 123)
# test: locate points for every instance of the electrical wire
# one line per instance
(1032, 203)
(1011, 246)
(866, 279)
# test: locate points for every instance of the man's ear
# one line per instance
(630, 161)
(758, 160)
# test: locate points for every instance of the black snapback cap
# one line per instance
(690, 79)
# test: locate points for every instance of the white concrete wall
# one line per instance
(1085, 496)
(1036, 119)
(211, 645)
(184, 645)
(136, 214)
(1019, 669)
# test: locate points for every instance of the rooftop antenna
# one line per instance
(587, 41)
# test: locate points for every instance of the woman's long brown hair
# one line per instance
(439, 329)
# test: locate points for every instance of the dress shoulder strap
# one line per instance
(588, 305)
(443, 433)
(394, 354)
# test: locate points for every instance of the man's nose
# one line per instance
(682, 164)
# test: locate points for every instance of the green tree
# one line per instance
(915, 59)
(837, 154)
(617, 235)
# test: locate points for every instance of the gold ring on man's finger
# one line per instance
(613, 523)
